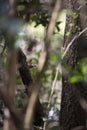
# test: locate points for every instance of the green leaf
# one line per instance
(54, 57)
(68, 34)
(84, 69)
(72, 24)
(76, 78)
(75, 15)
(19, 102)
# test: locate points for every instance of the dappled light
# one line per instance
(43, 65)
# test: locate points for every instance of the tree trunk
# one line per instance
(72, 115)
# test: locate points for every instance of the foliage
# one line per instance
(27, 15)
(10, 31)
(80, 75)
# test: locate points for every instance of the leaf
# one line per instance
(75, 15)
(84, 69)
(19, 102)
(57, 25)
(68, 34)
(76, 78)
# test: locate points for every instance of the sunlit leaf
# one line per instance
(84, 69)
(68, 34)
(75, 15)
(76, 78)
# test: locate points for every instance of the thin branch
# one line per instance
(58, 70)
(42, 64)
(54, 17)
(72, 41)
(10, 88)
(12, 60)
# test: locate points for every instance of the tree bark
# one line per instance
(72, 115)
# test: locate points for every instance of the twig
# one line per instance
(75, 38)
(58, 69)
(42, 65)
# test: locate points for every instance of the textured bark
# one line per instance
(72, 114)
